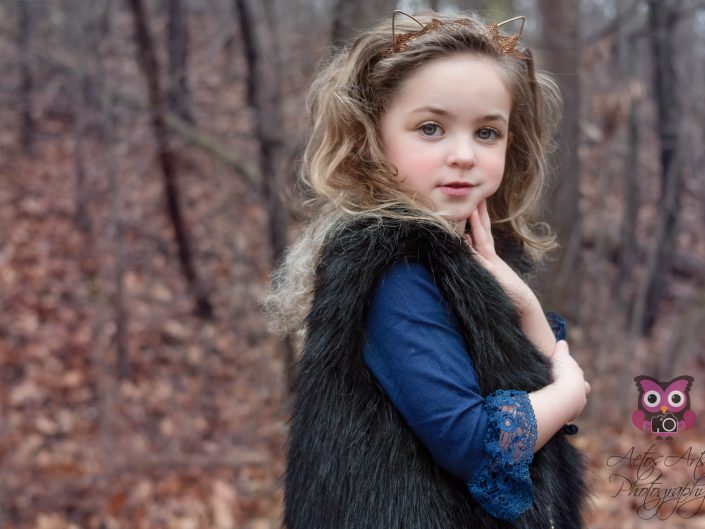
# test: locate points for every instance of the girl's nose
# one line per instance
(462, 154)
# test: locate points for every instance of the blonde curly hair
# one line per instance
(345, 172)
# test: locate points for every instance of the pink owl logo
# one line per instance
(664, 407)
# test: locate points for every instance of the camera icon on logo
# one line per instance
(666, 423)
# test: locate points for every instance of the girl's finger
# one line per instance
(562, 346)
(475, 253)
(486, 224)
(485, 216)
(478, 231)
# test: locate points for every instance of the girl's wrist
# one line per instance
(528, 302)
(537, 329)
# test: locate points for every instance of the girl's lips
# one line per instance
(456, 190)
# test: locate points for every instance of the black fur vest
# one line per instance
(352, 461)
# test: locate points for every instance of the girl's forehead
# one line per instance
(466, 66)
(458, 81)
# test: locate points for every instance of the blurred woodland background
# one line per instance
(148, 157)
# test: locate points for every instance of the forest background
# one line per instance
(148, 160)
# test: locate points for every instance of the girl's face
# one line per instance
(446, 131)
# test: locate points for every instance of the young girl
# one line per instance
(431, 391)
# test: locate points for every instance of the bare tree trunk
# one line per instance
(116, 310)
(264, 99)
(148, 62)
(120, 339)
(104, 18)
(624, 285)
(81, 218)
(627, 258)
(561, 56)
(80, 27)
(25, 27)
(627, 50)
(662, 15)
(178, 94)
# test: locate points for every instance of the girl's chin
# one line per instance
(457, 215)
(462, 216)
(458, 222)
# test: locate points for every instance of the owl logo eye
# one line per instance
(652, 399)
(676, 398)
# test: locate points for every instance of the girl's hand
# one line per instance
(569, 376)
(482, 246)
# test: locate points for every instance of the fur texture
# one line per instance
(352, 461)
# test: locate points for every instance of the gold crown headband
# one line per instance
(505, 45)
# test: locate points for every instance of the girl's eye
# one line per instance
(488, 134)
(431, 129)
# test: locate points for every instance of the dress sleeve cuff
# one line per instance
(557, 323)
(503, 486)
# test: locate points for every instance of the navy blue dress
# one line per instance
(415, 350)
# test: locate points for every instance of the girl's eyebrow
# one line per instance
(494, 117)
(442, 112)
(432, 110)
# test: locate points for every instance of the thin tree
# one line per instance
(79, 27)
(24, 37)
(626, 48)
(147, 60)
(178, 94)
(264, 100)
(662, 17)
(560, 50)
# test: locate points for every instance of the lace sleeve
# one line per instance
(503, 486)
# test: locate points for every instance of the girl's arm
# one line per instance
(563, 400)
(536, 327)
(533, 319)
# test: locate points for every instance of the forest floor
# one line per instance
(193, 435)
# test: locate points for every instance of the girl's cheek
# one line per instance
(414, 162)
(499, 165)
